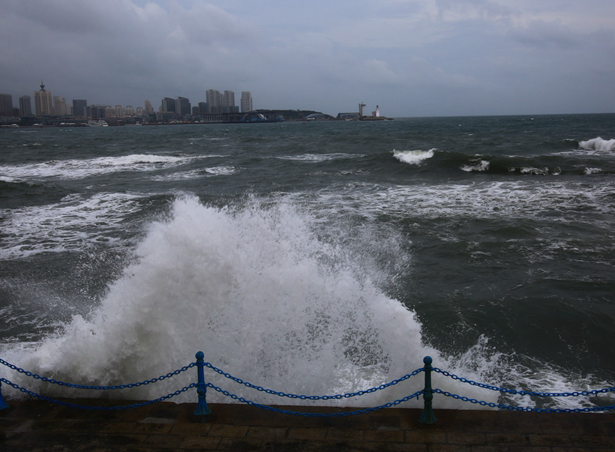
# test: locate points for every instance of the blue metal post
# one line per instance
(3, 404)
(202, 409)
(427, 416)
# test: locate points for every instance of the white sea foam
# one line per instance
(477, 165)
(319, 157)
(221, 170)
(592, 171)
(263, 297)
(537, 171)
(516, 199)
(195, 174)
(544, 171)
(68, 225)
(598, 144)
(178, 175)
(413, 157)
(81, 168)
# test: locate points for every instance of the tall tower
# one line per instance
(229, 99)
(168, 105)
(182, 106)
(59, 105)
(25, 106)
(213, 99)
(6, 105)
(246, 101)
(43, 101)
(148, 107)
(79, 107)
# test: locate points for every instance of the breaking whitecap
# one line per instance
(598, 144)
(413, 157)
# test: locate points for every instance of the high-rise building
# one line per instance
(229, 98)
(43, 101)
(246, 101)
(213, 98)
(119, 111)
(59, 105)
(6, 105)
(182, 106)
(220, 103)
(148, 107)
(79, 108)
(228, 103)
(25, 106)
(168, 105)
(97, 111)
(129, 111)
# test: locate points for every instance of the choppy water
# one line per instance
(313, 258)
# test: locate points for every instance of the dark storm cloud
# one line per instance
(413, 57)
(114, 51)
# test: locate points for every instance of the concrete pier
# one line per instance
(34, 425)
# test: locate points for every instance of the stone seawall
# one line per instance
(34, 425)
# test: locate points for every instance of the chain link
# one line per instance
(526, 409)
(97, 388)
(306, 397)
(97, 408)
(528, 393)
(313, 397)
(306, 414)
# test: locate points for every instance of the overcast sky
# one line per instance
(412, 57)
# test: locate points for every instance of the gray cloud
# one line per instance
(421, 57)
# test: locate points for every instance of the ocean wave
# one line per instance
(537, 171)
(452, 162)
(263, 297)
(66, 226)
(195, 174)
(413, 157)
(81, 168)
(221, 170)
(319, 157)
(598, 144)
(477, 165)
(520, 199)
(589, 171)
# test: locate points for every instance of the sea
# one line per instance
(313, 258)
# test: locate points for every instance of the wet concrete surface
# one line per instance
(34, 425)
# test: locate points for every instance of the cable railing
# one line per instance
(201, 386)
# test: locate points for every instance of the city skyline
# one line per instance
(47, 104)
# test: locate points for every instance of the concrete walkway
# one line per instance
(34, 425)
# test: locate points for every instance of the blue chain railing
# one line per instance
(427, 416)
(524, 393)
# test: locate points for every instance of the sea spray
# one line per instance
(598, 144)
(261, 295)
(413, 157)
